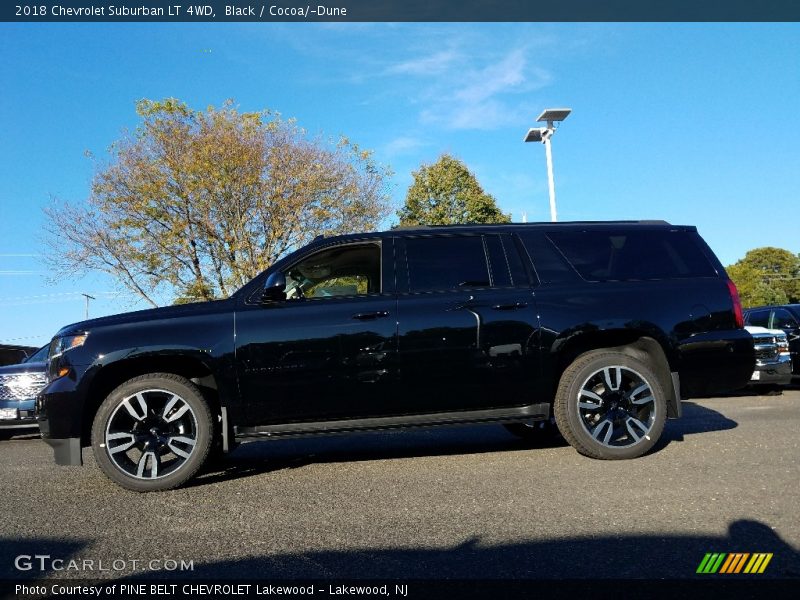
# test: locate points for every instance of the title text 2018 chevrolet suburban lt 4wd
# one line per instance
(606, 326)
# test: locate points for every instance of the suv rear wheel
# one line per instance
(610, 405)
(152, 433)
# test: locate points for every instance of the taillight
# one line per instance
(737, 304)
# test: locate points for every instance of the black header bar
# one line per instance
(145, 11)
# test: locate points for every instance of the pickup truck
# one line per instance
(605, 326)
(773, 360)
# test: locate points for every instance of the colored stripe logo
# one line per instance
(734, 562)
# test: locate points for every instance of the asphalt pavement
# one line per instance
(468, 502)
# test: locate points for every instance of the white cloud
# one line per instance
(434, 64)
(403, 145)
(487, 96)
(455, 76)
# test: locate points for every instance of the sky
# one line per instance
(692, 123)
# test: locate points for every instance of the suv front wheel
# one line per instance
(610, 405)
(152, 433)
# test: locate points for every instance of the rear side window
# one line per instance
(549, 264)
(446, 263)
(758, 318)
(501, 277)
(633, 255)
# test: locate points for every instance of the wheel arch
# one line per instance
(635, 343)
(114, 374)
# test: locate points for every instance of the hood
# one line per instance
(34, 367)
(150, 314)
(763, 331)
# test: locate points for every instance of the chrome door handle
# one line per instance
(371, 316)
(514, 306)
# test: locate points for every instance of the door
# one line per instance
(782, 318)
(466, 329)
(328, 350)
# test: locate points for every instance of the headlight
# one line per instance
(67, 342)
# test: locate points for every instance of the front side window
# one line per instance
(783, 319)
(352, 270)
(446, 263)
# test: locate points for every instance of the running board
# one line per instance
(534, 412)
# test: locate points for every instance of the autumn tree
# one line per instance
(767, 276)
(446, 193)
(193, 203)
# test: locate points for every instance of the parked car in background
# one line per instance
(19, 386)
(773, 361)
(606, 326)
(785, 317)
(13, 355)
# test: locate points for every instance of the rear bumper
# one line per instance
(715, 362)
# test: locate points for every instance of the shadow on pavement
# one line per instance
(622, 557)
(696, 419)
(30, 558)
(255, 458)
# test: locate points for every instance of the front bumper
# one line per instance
(778, 372)
(59, 410)
(67, 452)
(24, 410)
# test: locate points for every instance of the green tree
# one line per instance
(767, 276)
(195, 203)
(447, 193)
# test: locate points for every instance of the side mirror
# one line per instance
(274, 287)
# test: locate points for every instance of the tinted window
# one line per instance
(549, 264)
(11, 356)
(519, 274)
(783, 319)
(446, 263)
(497, 257)
(631, 255)
(758, 318)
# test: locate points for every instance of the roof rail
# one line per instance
(414, 227)
(621, 221)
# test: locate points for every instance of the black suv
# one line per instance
(786, 317)
(605, 326)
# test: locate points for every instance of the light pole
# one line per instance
(88, 297)
(543, 134)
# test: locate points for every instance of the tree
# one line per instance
(195, 203)
(767, 276)
(446, 193)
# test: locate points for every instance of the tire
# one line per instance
(152, 433)
(603, 408)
